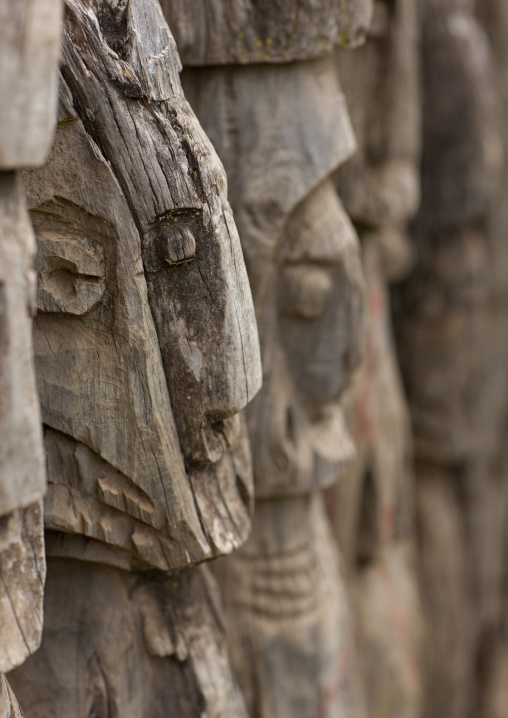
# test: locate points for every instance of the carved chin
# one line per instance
(296, 447)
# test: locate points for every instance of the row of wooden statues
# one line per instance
(220, 384)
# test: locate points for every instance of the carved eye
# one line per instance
(70, 275)
(176, 243)
(305, 291)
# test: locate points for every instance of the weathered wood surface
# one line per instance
(22, 475)
(146, 350)
(390, 633)
(22, 482)
(488, 507)
(298, 128)
(446, 298)
(288, 617)
(119, 643)
(380, 184)
(454, 370)
(243, 32)
(22, 573)
(290, 630)
(9, 706)
(371, 508)
(372, 505)
(145, 342)
(302, 257)
(29, 50)
(449, 610)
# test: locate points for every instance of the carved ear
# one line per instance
(70, 274)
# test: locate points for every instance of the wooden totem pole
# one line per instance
(488, 509)
(371, 507)
(146, 350)
(29, 45)
(263, 81)
(450, 357)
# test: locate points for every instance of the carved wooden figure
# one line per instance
(289, 622)
(146, 350)
(29, 46)
(448, 352)
(371, 507)
(486, 511)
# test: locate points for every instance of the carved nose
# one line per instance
(202, 306)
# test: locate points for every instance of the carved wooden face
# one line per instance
(146, 342)
(312, 329)
(302, 256)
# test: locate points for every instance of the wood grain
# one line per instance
(29, 50)
(244, 32)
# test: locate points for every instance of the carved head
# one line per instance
(446, 341)
(301, 252)
(146, 346)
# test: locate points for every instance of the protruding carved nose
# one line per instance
(203, 313)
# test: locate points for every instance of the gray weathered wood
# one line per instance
(118, 643)
(298, 129)
(289, 630)
(21, 481)
(137, 354)
(29, 47)
(9, 707)
(288, 615)
(242, 32)
(371, 508)
(29, 50)
(301, 254)
(380, 184)
(453, 365)
(490, 561)
(146, 350)
(372, 505)
(22, 574)
(390, 632)
(22, 475)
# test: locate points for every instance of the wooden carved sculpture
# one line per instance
(490, 565)
(371, 507)
(289, 625)
(486, 510)
(146, 350)
(448, 358)
(29, 44)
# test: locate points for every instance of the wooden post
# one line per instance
(29, 46)
(146, 351)
(269, 97)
